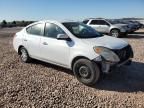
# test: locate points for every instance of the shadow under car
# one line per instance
(122, 79)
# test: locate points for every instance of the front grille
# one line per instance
(124, 53)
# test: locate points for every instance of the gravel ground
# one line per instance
(42, 85)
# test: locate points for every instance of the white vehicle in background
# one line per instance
(108, 26)
(72, 45)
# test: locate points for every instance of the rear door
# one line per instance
(32, 39)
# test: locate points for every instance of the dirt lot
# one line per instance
(41, 85)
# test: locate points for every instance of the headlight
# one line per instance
(107, 54)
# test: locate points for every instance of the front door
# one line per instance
(103, 26)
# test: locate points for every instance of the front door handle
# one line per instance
(45, 43)
(25, 39)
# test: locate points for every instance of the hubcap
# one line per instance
(115, 33)
(23, 55)
(84, 71)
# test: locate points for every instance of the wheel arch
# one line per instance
(83, 57)
(77, 58)
(115, 29)
(19, 49)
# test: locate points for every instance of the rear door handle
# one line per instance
(45, 43)
(25, 39)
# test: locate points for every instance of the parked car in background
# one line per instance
(133, 26)
(72, 45)
(138, 24)
(107, 26)
(141, 22)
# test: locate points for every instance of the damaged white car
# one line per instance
(72, 45)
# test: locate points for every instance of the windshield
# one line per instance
(81, 30)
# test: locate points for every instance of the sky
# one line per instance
(69, 9)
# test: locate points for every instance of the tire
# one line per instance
(86, 72)
(124, 35)
(115, 33)
(24, 55)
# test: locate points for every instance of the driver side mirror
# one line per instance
(63, 37)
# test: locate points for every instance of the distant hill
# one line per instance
(133, 18)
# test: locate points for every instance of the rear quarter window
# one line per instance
(35, 29)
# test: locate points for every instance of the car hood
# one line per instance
(106, 41)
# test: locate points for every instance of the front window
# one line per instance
(98, 22)
(94, 22)
(52, 30)
(81, 30)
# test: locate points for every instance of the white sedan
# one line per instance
(72, 45)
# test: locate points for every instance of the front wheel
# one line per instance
(86, 71)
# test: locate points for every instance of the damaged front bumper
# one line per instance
(124, 55)
(107, 66)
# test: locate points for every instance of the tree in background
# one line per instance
(4, 23)
(23, 23)
(14, 23)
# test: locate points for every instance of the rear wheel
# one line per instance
(86, 71)
(115, 33)
(24, 55)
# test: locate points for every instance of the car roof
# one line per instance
(51, 21)
(94, 19)
(55, 21)
(45, 21)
